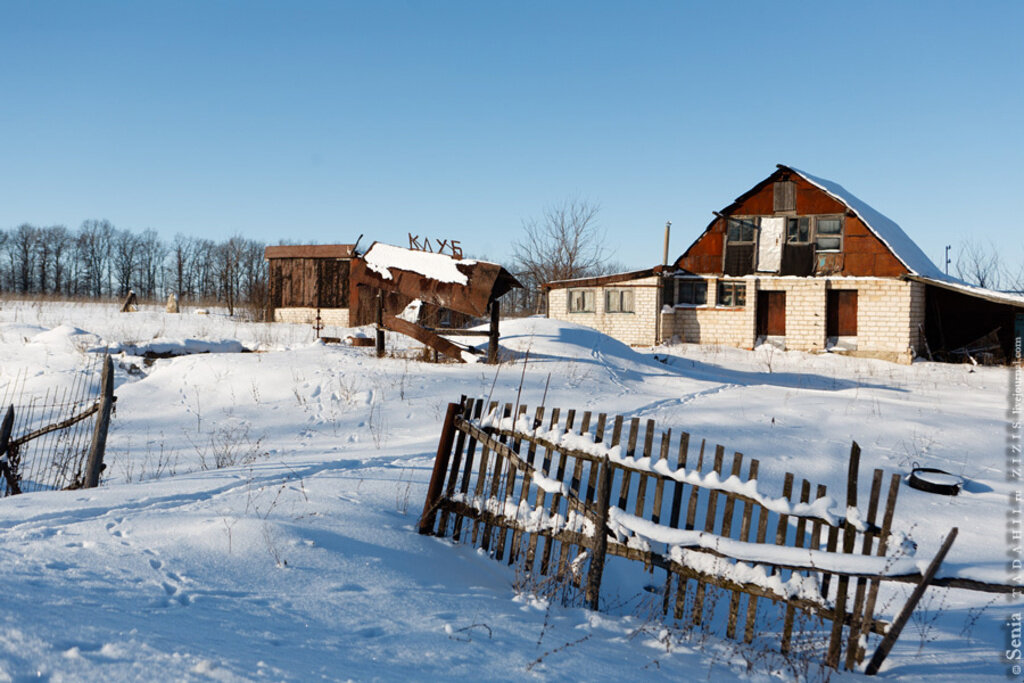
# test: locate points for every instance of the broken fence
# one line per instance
(534, 490)
(41, 450)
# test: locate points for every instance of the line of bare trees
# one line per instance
(101, 261)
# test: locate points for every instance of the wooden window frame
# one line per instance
(754, 223)
(734, 288)
(810, 222)
(698, 286)
(839, 235)
(584, 292)
(618, 294)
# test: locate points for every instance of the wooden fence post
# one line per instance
(604, 486)
(5, 439)
(435, 490)
(894, 631)
(492, 341)
(94, 465)
(380, 323)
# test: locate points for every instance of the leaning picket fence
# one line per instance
(45, 441)
(561, 494)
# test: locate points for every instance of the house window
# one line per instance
(732, 294)
(581, 300)
(798, 230)
(828, 233)
(691, 292)
(742, 230)
(618, 301)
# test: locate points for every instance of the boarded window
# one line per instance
(797, 259)
(732, 294)
(581, 301)
(785, 195)
(739, 259)
(618, 301)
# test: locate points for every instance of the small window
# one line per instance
(618, 301)
(798, 230)
(691, 292)
(742, 230)
(732, 294)
(829, 234)
(581, 300)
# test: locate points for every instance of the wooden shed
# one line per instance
(306, 279)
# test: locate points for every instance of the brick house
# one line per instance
(799, 262)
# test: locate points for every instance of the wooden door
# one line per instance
(771, 314)
(841, 313)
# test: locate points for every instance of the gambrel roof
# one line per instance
(886, 229)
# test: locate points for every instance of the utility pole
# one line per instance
(948, 247)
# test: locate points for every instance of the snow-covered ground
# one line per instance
(257, 516)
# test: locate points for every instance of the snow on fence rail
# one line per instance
(53, 451)
(535, 494)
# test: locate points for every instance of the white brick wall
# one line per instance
(639, 328)
(337, 317)
(890, 313)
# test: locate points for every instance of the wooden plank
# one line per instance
(422, 335)
(453, 471)
(510, 484)
(641, 489)
(801, 525)
(883, 544)
(634, 428)
(94, 465)
(709, 525)
(691, 516)
(745, 515)
(854, 652)
(835, 643)
(901, 620)
(467, 470)
(593, 592)
(436, 487)
(556, 498)
(497, 477)
(673, 519)
(541, 498)
(575, 484)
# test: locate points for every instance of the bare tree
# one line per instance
(978, 264)
(565, 243)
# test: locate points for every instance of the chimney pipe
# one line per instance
(664, 260)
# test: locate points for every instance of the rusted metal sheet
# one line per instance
(309, 251)
(485, 282)
(424, 336)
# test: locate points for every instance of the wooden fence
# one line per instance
(534, 491)
(52, 451)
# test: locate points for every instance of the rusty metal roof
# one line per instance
(485, 282)
(309, 251)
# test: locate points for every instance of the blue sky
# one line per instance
(319, 121)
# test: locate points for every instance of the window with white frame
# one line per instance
(618, 300)
(581, 300)
(733, 294)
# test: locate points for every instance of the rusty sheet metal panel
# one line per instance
(485, 282)
(424, 336)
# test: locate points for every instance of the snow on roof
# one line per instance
(886, 229)
(380, 257)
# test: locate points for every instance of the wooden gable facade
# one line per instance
(733, 243)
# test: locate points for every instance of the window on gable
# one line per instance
(581, 300)
(691, 292)
(742, 230)
(828, 233)
(798, 230)
(732, 294)
(618, 301)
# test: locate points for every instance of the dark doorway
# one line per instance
(771, 314)
(841, 313)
